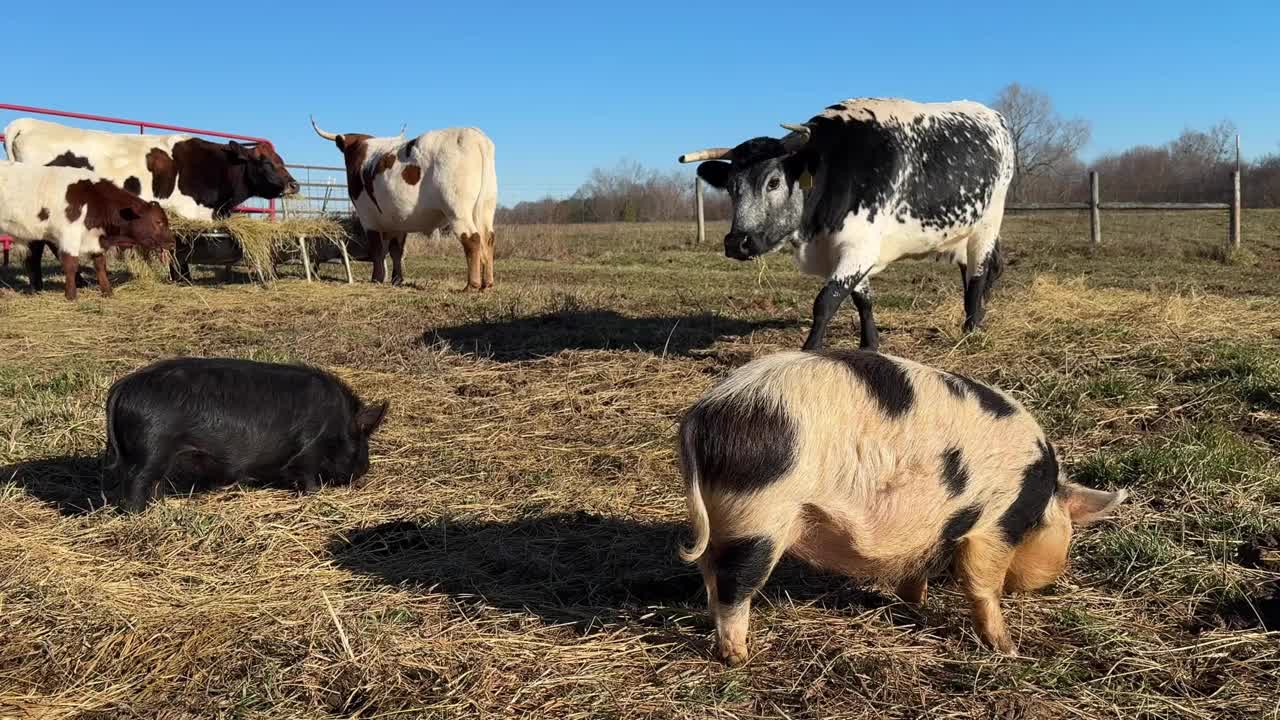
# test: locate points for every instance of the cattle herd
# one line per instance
(854, 461)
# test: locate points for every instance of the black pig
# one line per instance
(220, 421)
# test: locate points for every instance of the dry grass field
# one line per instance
(512, 553)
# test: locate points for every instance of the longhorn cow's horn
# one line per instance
(402, 129)
(799, 136)
(322, 133)
(708, 154)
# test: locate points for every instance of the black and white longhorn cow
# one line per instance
(864, 183)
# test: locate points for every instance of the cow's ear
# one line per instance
(715, 173)
(236, 153)
(128, 214)
(797, 169)
(370, 417)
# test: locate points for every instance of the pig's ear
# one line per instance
(371, 416)
(1087, 505)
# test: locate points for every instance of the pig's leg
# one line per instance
(305, 476)
(740, 568)
(914, 590)
(982, 564)
(140, 487)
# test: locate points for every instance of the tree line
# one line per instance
(1193, 167)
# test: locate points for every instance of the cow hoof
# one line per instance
(734, 656)
(107, 293)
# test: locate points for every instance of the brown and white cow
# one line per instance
(442, 179)
(192, 177)
(874, 466)
(78, 212)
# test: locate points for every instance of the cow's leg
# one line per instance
(740, 567)
(856, 250)
(473, 246)
(35, 273)
(396, 243)
(490, 239)
(378, 254)
(981, 565)
(100, 266)
(964, 277)
(70, 268)
(825, 306)
(986, 264)
(869, 335)
(828, 302)
(978, 287)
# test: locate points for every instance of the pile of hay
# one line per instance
(263, 243)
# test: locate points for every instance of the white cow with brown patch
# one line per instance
(873, 466)
(79, 213)
(442, 179)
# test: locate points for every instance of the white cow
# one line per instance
(442, 179)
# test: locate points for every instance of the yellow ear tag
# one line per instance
(806, 180)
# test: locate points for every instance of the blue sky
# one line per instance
(563, 88)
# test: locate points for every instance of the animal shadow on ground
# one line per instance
(71, 483)
(74, 484)
(568, 568)
(15, 277)
(530, 338)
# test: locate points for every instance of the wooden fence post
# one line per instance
(1095, 212)
(1233, 232)
(697, 198)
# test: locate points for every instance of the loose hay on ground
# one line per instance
(513, 552)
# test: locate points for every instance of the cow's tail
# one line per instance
(992, 271)
(10, 135)
(482, 214)
(695, 506)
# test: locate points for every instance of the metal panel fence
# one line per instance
(1095, 206)
(323, 191)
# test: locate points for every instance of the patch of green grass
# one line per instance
(1193, 459)
(1115, 388)
(1249, 372)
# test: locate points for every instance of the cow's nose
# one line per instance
(291, 189)
(735, 244)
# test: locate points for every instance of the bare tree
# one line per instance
(1045, 143)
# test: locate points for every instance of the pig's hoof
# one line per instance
(734, 656)
(1005, 646)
